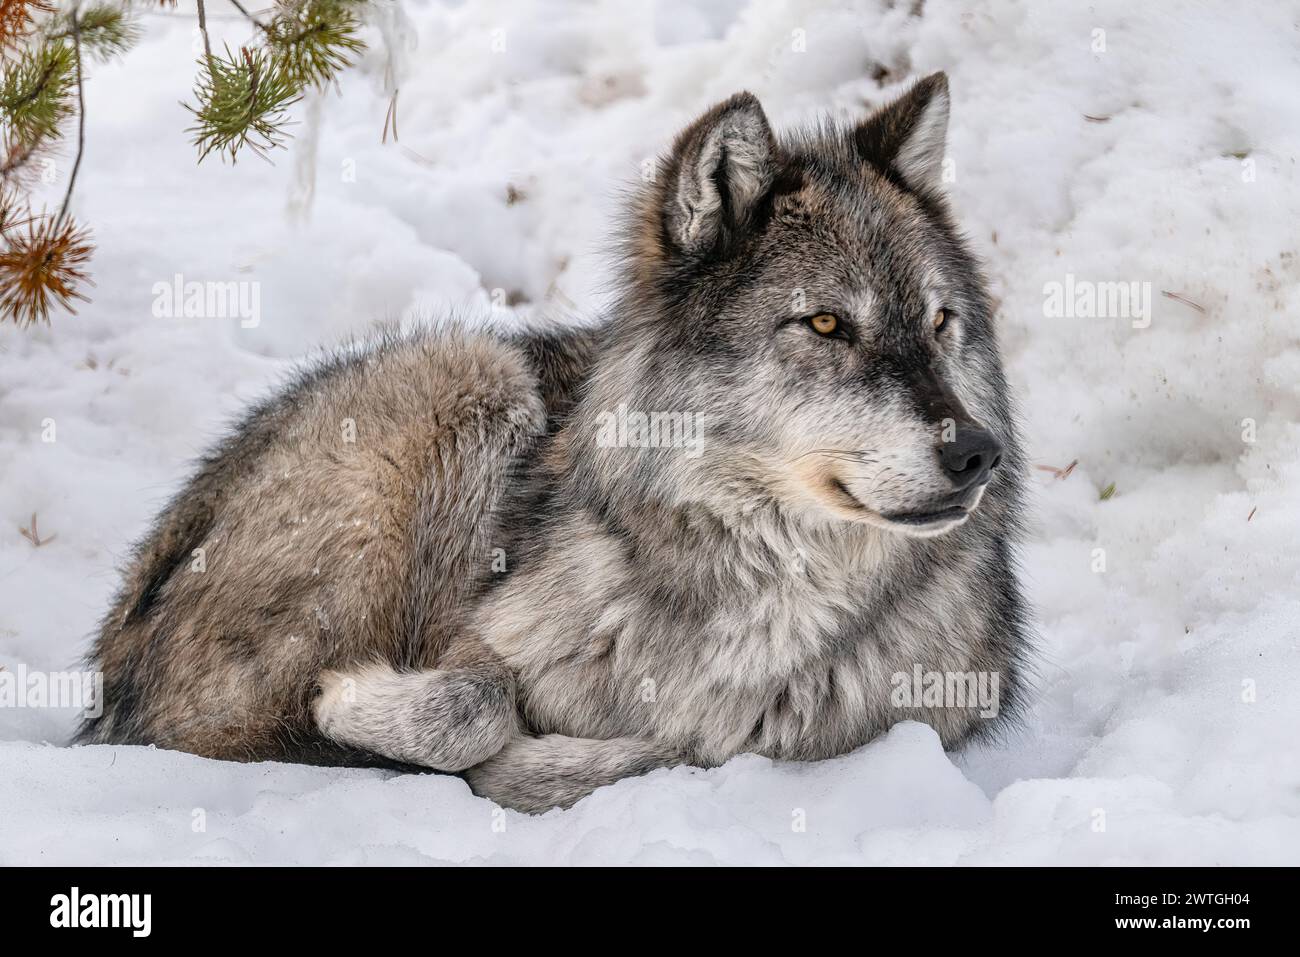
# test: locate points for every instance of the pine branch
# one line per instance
(315, 39)
(106, 30)
(43, 257)
(42, 267)
(17, 18)
(242, 102)
(35, 91)
(81, 120)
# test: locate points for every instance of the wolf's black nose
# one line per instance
(970, 457)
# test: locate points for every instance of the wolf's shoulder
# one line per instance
(443, 368)
(409, 369)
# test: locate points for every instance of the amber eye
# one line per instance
(824, 324)
(940, 320)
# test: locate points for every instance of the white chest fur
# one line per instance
(772, 657)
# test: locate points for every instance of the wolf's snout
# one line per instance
(970, 458)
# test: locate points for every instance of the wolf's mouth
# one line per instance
(950, 514)
(847, 496)
(923, 520)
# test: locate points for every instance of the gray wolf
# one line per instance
(782, 473)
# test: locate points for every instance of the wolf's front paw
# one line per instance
(448, 720)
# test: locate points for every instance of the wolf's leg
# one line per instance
(446, 718)
(534, 774)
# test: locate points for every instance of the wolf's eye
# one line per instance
(824, 324)
(940, 320)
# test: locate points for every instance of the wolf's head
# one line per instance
(807, 305)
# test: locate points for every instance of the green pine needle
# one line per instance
(106, 29)
(243, 101)
(1108, 492)
(36, 91)
(315, 39)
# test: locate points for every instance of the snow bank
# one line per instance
(1164, 724)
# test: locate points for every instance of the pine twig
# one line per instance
(240, 7)
(203, 29)
(81, 120)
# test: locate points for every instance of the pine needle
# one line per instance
(243, 102)
(40, 267)
(106, 30)
(35, 91)
(315, 39)
(17, 18)
(16, 157)
(33, 534)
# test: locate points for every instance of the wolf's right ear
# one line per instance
(721, 168)
(908, 135)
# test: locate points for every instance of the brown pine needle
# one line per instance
(42, 267)
(1059, 473)
(1179, 297)
(10, 215)
(33, 535)
(390, 118)
(16, 157)
(17, 17)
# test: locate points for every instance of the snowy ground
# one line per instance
(1164, 728)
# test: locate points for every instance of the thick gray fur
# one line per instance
(474, 579)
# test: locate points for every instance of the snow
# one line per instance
(1163, 725)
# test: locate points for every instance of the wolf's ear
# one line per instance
(721, 168)
(908, 135)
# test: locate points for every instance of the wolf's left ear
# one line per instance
(909, 135)
(721, 168)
